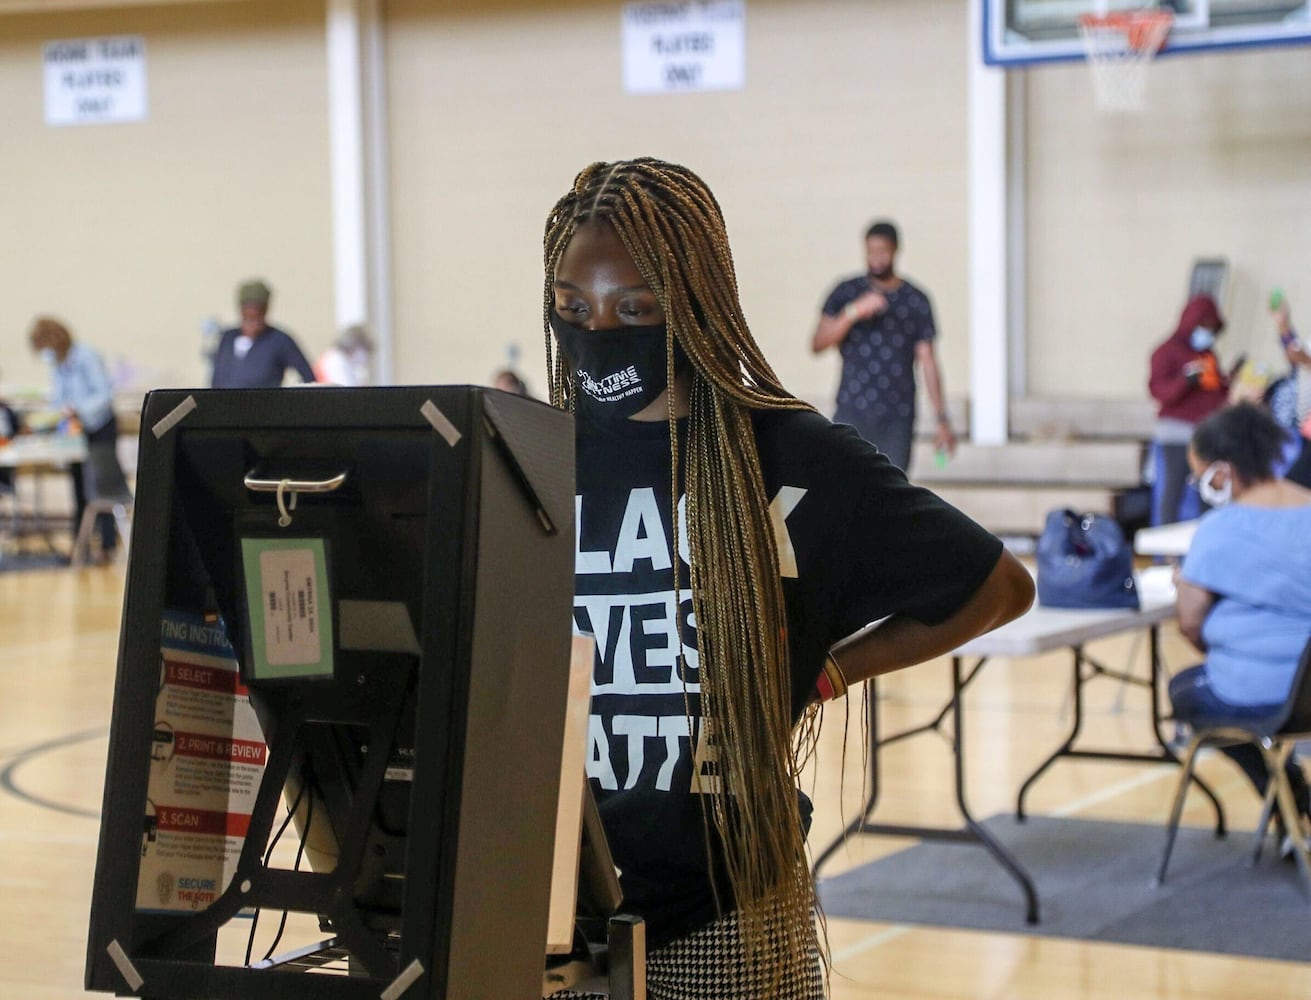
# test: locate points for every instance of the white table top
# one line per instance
(1166, 540)
(43, 449)
(1044, 629)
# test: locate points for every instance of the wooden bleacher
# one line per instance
(1075, 453)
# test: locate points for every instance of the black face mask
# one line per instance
(618, 372)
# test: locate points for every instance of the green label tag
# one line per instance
(290, 607)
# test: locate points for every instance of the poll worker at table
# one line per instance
(81, 390)
(714, 623)
(1244, 590)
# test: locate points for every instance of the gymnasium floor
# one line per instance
(58, 646)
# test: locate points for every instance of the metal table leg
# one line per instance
(993, 846)
(1162, 753)
(973, 831)
(1065, 749)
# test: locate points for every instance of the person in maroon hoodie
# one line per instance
(1188, 386)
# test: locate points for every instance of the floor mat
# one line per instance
(1094, 881)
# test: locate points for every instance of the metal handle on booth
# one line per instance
(294, 485)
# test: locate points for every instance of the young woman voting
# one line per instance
(717, 630)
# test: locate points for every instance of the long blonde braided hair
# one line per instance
(674, 230)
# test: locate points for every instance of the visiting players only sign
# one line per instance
(95, 80)
(684, 46)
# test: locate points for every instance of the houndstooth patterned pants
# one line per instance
(708, 965)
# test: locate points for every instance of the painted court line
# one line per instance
(872, 942)
(1106, 794)
(9, 784)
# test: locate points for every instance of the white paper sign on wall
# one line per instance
(95, 80)
(684, 46)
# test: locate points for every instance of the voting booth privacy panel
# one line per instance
(346, 610)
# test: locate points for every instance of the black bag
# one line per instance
(1084, 562)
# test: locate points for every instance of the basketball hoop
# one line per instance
(1120, 46)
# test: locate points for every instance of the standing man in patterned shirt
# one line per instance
(883, 327)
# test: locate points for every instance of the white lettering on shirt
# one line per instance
(779, 509)
(609, 618)
(670, 733)
(637, 728)
(638, 649)
(642, 533)
(586, 563)
(599, 767)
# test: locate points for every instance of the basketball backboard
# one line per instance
(1025, 32)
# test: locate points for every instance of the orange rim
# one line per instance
(1143, 29)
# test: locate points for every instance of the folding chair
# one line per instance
(121, 510)
(108, 493)
(1275, 736)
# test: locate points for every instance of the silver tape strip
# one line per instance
(125, 966)
(439, 423)
(167, 423)
(409, 975)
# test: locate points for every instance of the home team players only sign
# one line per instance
(684, 46)
(95, 80)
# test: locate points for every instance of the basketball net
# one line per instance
(1120, 46)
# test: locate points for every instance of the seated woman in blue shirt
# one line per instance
(1245, 586)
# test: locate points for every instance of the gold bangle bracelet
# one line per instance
(836, 678)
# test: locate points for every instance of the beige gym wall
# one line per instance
(851, 110)
(135, 233)
(1118, 206)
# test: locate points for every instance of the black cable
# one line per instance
(250, 941)
(300, 853)
(268, 854)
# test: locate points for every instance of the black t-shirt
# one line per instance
(856, 543)
(877, 386)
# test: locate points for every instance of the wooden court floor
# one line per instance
(58, 645)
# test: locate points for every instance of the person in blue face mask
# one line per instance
(1244, 590)
(1188, 385)
(732, 546)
